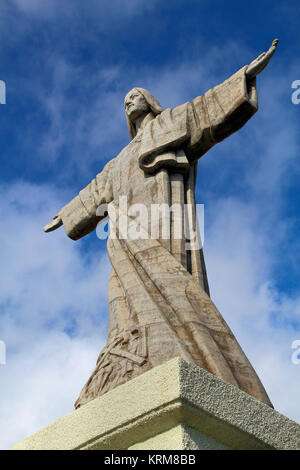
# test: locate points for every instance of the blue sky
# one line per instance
(67, 67)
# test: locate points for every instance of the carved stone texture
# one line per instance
(159, 303)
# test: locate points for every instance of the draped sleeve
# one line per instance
(79, 215)
(220, 112)
(196, 126)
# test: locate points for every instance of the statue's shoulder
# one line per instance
(168, 120)
(174, 113)
(108, 166)
(125, 153)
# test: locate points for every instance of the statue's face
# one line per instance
(135, 104)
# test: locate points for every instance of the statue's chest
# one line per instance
(130, 180)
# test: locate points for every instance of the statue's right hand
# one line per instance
(54, 224)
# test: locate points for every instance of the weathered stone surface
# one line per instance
(174, 406)
(159, 304)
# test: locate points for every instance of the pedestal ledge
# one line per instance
(175, 406)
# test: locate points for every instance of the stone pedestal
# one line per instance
(174, 406)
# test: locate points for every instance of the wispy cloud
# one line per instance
(53, 300)
(264, 320)
(104, 9)
(83, 108)
(53, 312)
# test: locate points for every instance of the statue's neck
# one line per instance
(142, 121)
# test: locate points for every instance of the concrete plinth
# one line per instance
(174, 406)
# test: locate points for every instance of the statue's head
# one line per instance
(139, 101)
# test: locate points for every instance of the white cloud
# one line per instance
(46, 276)
(53, 312)
(91, 124)
(51, 288)
(263, 319)
(104, 9)
(41, 382)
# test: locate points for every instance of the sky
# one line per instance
(67, 67)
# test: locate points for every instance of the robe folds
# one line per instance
(159, 303)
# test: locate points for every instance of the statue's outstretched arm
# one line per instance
(79, 217)
(55, 223)
(258, 64)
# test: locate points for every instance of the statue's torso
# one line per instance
(130, 180)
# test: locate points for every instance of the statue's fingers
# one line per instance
(53, 225)
(255, 61)
(261, 56)
(48, 227)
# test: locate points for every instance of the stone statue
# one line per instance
(159, 303)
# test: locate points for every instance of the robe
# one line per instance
(159, 303)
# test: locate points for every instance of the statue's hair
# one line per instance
(154, 106)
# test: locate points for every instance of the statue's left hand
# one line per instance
(261, 61)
